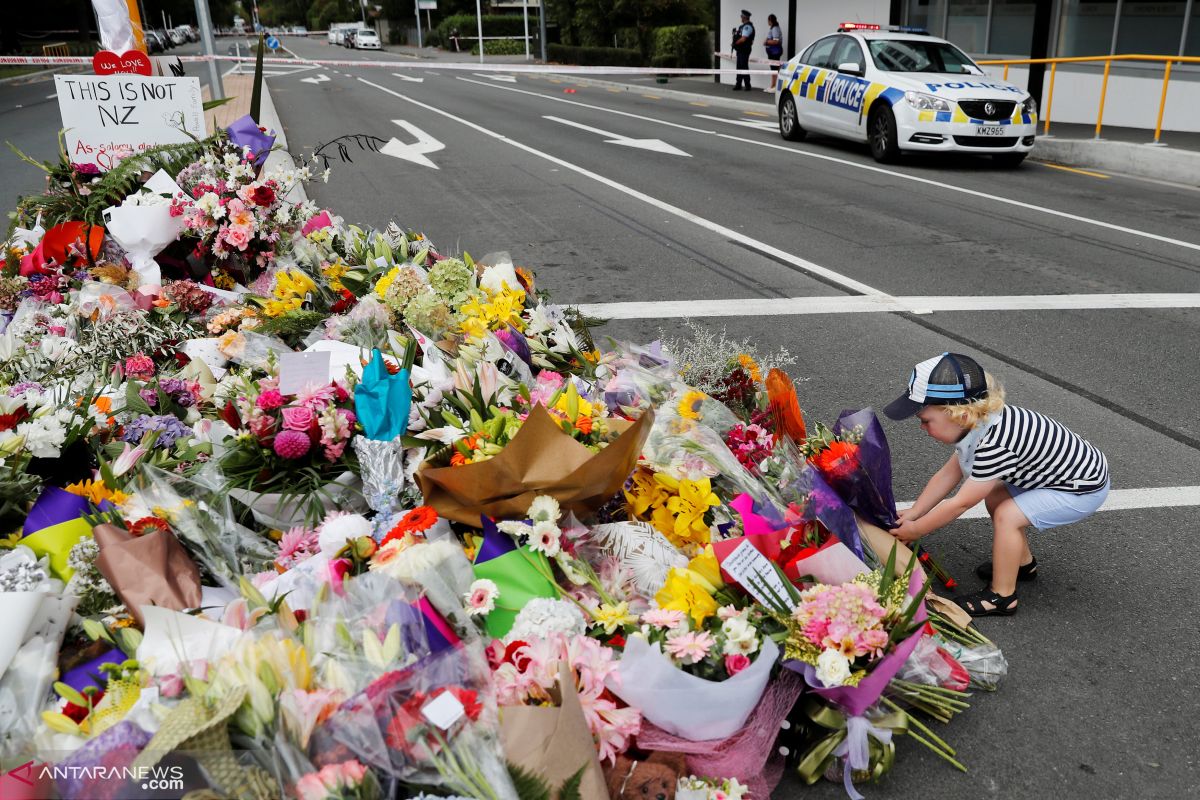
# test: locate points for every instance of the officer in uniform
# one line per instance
(743, 42)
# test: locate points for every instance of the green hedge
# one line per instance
(595, 56)
(493, 25)
(689, 44)
(501, 47)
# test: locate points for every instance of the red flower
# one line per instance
(10, 421)
(468, 698)
(78, 714)
(419, 520)
(344, 303)
(230, 415)
(262, 195)
(838, 461)
(300, 614)
(148, 525)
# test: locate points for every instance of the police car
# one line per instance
(901, 90)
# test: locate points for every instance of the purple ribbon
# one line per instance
(55, 506)
(495, 543)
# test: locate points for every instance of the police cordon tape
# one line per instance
(533, 69)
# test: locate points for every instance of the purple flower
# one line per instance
(150, 396)
(169, 427)
(20, 389)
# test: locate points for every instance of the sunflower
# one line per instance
(689, 406)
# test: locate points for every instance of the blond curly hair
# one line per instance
(970, 415)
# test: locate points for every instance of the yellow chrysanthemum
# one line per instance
(611, 617)
(746, 362)
(381, 285)
(334, 272)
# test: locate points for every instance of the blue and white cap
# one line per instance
(945, 380)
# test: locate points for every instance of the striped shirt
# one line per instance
(1031, 451)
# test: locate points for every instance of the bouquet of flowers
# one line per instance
(239, 218)
(294, 446)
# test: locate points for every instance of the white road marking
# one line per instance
(757, 124)
(322, 78)
(1120, 500)
(404, 77)
(796, 306)
(729, 233)
(52, 96)
(867, 167)
(501, 78)
(655, 145)
(415, 152)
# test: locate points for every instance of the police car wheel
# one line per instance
(882, 132)
(789, 123)
(1008, 160)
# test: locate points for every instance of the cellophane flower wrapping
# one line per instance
(200, 514)
(810, 499)
(686, 705)
(434, 723)
(749, 753)
(382, 469)
(865, 482)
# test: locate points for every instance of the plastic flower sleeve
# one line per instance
(985, 663)
(382, 468)
(201, 516)
(867, 488)
(432, 723)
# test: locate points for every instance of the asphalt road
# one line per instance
(1101, 698)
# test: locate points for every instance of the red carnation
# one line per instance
(262, 195)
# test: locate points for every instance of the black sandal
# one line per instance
(1025, 572)
(973, 603)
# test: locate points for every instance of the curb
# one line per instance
(1168, 164)
(676, 94)
(279, 156)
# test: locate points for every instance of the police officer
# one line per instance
(743, 42)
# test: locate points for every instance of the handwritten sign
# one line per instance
(754, 572)
(111, 117)
(135, 62)
(297, 370)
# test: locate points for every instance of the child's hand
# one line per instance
(907, 515)
(908, 531)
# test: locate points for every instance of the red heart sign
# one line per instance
(106, 62)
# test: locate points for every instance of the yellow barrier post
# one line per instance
(1103, 91)
(1162, 103)
(1050, 98)
(1006, 72)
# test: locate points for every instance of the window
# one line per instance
(1193, 33)
(848, 51)
(927, 14)
(967, 24)
(819, 54)
(1012, 27)
(1152, 28)
(1086, 27)
(920, 55)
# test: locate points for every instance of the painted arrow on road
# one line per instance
(657, 145)
(501, 78)
(322, 78)
(404, 77)
(416, 151)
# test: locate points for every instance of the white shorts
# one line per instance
(1049, 508)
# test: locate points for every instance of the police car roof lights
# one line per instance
(858, 26)
(908, 29)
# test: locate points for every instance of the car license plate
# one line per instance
(990, 130)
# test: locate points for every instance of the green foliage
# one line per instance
(501, 47)
(689, 44)
(595, 56)
(256, 92)
(493, 25)
(606, 23)
(531, 786)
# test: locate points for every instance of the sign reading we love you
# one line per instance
(110, 117)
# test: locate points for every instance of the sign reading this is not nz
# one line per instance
(110, 117)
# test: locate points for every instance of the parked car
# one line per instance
(164, 38)
(153, 43)
(177, 36)
(300, 29)
(900, 91)
(367, 40)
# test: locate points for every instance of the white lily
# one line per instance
(382, 652)
(444, 435)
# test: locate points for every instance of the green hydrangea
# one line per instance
(453, 280)
(429, 314)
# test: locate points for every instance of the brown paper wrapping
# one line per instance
(881, 542)
(554, 742)
(152, 570)
(540, 460)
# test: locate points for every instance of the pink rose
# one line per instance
(298, 418)
(236, 237)
(735, 663)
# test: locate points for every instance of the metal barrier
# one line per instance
(1054, 62)
(56, 49)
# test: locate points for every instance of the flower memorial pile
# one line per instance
(339, 515)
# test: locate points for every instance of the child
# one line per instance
(1027, 468)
